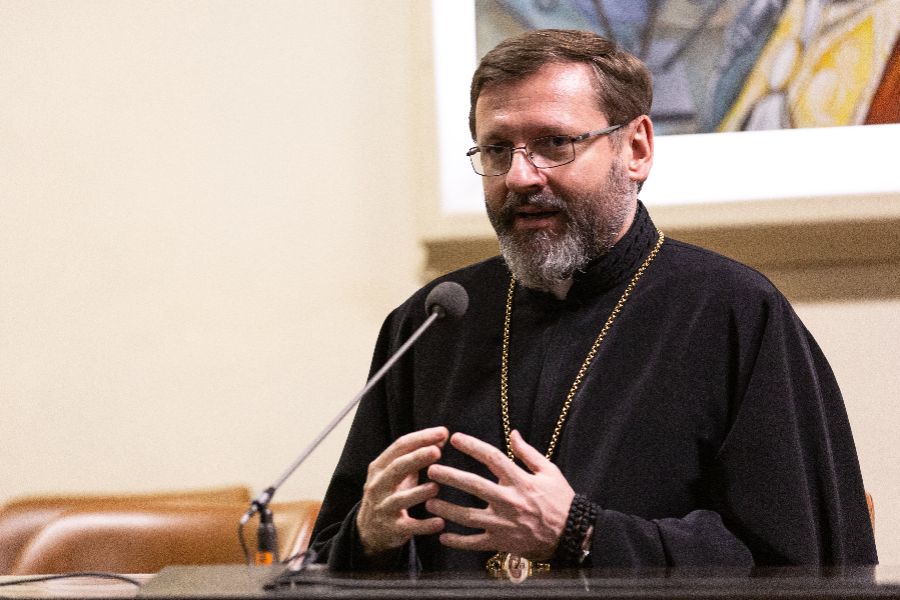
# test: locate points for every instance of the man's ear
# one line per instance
(638, 148)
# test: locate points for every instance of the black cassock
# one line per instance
(709, 428)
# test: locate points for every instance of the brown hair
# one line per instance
(623, 86)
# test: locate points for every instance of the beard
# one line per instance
(591, 224)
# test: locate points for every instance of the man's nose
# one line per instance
(523, 176)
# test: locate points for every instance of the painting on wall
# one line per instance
(754, 100)
(738, 65)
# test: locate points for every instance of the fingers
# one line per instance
(476, 541)
(534, 460)
(474, 518)
(412, 527)
(391, 489)
(405, 499)
(468, 482)
(384, 480)
(409, 454)
(495, 460)
(434, 436)
(386, 534)
(526, 511)
(466, 516)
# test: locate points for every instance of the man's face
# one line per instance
(551, 222)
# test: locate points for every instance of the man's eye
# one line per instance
(547, 144)
(557, 141)
(494, 151)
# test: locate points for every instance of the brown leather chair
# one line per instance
(21, 518)
(144, 540)
(871, 504)
(294, 522)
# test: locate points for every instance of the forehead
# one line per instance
(559, 95)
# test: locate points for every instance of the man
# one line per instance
(664, 405)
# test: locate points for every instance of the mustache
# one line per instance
(543, 201)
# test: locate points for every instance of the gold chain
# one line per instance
(503, 563)
(504, 364)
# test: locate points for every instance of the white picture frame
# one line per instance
(847, 163)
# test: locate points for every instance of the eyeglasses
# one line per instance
(544, 152)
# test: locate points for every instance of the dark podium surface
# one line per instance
(256, 582)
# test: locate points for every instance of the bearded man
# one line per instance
(615, 398)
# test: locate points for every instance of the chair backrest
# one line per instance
(21, 518)
(871, 504)
(294, 522)
(144, 540)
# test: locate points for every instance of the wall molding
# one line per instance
(808, 262)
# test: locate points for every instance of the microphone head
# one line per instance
(447, 298)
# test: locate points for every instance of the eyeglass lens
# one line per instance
(543, 152)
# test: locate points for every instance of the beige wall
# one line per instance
(207, 208)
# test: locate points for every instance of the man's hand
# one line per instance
(392, 487)
(526, 512)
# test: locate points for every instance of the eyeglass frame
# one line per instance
(573, 139)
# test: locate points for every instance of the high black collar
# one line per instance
(616, 266)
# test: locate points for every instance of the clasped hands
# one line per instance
(525, 514)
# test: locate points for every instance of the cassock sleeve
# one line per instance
(698, 539)
(787, 488)
(790, 475)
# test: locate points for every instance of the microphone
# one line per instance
(445, 299)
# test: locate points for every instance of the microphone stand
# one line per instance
(267, 545)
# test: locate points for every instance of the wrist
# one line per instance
(575, 542)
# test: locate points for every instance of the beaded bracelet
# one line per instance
(582, 514)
